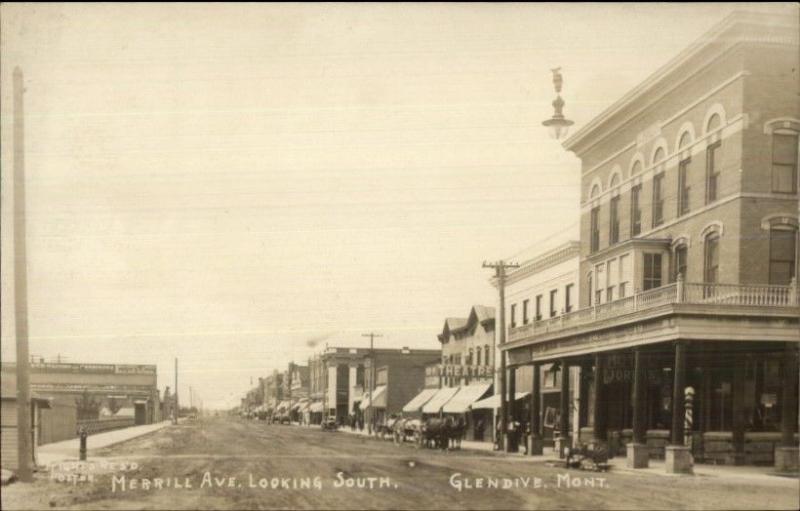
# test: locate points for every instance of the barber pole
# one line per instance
(688, 420)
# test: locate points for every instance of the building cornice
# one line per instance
(562, 253)
(723, 35)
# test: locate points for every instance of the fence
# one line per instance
(99, 425)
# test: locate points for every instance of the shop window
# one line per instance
(652, 271)
(782, 251)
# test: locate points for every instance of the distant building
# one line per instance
(96, 386)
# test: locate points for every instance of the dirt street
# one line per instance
(232, 464)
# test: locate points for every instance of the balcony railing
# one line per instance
(678, 292)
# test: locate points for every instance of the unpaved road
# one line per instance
(227, 462)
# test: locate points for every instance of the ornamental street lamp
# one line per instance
(558, 124)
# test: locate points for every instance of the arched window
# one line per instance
(782, 253)
(714, 122)
(595, 192)
(685, 140)
(637, 168)
(659, 155)
(711, 270)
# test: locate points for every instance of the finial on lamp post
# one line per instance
(558, 124)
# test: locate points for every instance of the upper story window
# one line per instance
(782, 253)
(553, 309)
(598, 284)
(486, 359)
(513, 315)
(478, 352)
(589, 287)
(568, 298)
(525, 304)
(636, 210)
(637, 168)
(595, 229)
(658, 155)
(711, 270)
(652, 271)
(784, 162)
(712, 171)
(613, 211)
(680, 262)
(538, 307)
(714, 122)
(658, 199)
(683, 185)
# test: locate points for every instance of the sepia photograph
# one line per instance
(400, 256)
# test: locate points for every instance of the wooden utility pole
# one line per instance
(177, 407)
(500, 274)
(24, 436)
(372, 336)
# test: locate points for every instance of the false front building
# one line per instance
(687, 330)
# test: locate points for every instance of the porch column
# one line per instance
(535, 440)
(512, 441)
(638, 453)
(738, 409)
(600, 405)
(563, 422)
(678, 457)
(786, 456)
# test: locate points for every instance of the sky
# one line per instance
(238, 185)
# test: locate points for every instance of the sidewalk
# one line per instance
(69, 449)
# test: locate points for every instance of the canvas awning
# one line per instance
(300, 405)
(439, 399)
(283, 405)
(467, 395)
(315, 407)
(419, 400)
(493, 402)
(378, 399)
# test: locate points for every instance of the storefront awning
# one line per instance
(315, 407)
(493, 402)
(378, 399)
(419, 400)
(300, 404)
(469, 394)
(439, 400)
(283, 405)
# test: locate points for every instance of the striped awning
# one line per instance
(467, 395)
(439, 399)
(419, 400)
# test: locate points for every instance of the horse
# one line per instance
(457, 428)
(435, 433)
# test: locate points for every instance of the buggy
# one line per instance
(588, 457)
